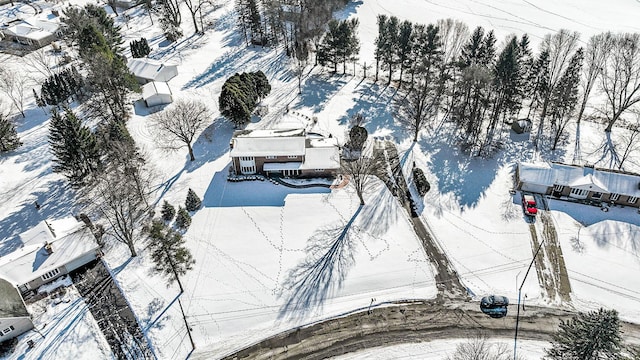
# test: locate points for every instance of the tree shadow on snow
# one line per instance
(319, 89)
(55, 200)
(330, 256)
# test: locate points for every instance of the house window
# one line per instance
(632, 199)
(579, 192)
(7, 330)
(319, 170)
(292, 156)
(271, 157)
(246, 158)
(614, 197)
(48, 275)
(596, 195)
(247, 169)
(558, 188)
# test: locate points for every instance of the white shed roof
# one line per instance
(152, 70)
(69, 239)
(155, 88)
(600, 180)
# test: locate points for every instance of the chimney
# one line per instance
(48, 248)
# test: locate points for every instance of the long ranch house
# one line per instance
(579, 182)
(284, 152)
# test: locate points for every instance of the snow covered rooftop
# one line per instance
(69, 239)
(273, 142)
(587, 178)
(322, 154)
(11, 304)
(155, 88)
(152, 70)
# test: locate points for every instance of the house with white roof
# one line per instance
(147, 70)
(14, 317)
(49, 250)
(156, 93)
(579, 182)
(36, 31)
(284, 152)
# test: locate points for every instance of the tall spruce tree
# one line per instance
(74, 146)
(192, 202)
(169, 254)
(168, 211)
(8, 136)
(240, 95)
(340, 44)
(404, 46)
(381, 41)
(588, 336)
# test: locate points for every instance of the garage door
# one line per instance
(534, 188)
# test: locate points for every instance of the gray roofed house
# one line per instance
(579, 182)
(14, 317)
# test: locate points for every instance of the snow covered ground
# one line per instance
(251, 240)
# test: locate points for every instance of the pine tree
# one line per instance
(404, 46)
(168, 211)
(564, 97)
(183, 219)
(240, 95)
(74, 147)
(8, 136)
(588, 336)
(171, 258)
(340, 44)
(192, 202)
(381, 41)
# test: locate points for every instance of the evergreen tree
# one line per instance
(8, 136)
(168, 211)
(588, 336)
(240, 95)
(74, 147)
(192, 202)
(171, 258)
(404, 46)
(390, 46)
(381, 41)
(183, 219)
(340, 44)
(357, 137)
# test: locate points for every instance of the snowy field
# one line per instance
(253, 240)
(441, 349)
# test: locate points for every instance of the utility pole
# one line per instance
(175, 273)
(515, 339)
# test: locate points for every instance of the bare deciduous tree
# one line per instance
(629, 142)
(362, 171)
(41, 61)
(195, 7)
(620, 80)
(14, 84)
(595, 54)
(177, 126)
(479, 348)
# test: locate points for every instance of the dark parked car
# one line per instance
(494, 305)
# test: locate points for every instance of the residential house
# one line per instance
(147, 70)
(579, 182)
(284, 152)
(37, 31)
(156, 93)
(14, 317)
(50, 250)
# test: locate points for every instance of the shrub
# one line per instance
(421, 181)
(193, 202)
(183, 219)
(168, 211)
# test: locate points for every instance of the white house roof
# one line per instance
(69, 239)
(152, 70)
(586, 178)
(33, 28)
(322, 154)
(155, 88)
(285, 142)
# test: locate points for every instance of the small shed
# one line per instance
(146, 70)
(156, 93)
(14, 317)
(522, 125)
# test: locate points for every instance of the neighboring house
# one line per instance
(156, 93)
(285, 152)
(146, 70)
(14, 317)
(579, 182)
(49, 250)
(35, 31)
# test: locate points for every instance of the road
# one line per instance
(404, 323)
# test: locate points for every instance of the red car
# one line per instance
(529, 204)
